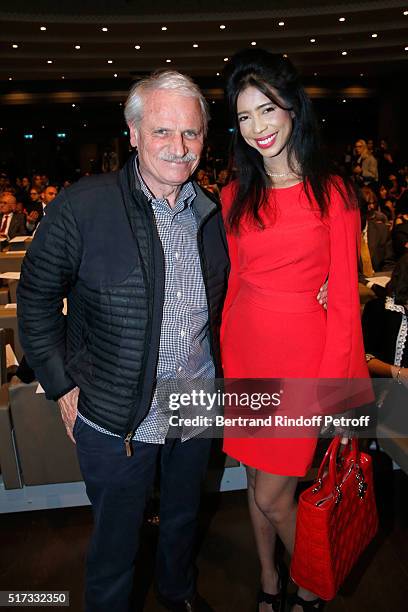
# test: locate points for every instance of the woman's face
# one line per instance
(264, 126)
(383, 192)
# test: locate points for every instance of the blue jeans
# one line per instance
(117, 487)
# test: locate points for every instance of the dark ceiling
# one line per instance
(341, 48)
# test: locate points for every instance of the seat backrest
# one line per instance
(3, 361)
(46, 453)
(8, 321)
(10, 470)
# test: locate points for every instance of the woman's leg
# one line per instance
(265, 538)
(274, 497)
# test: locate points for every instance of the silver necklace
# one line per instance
(278, 175)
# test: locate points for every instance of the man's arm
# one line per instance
(22, 231)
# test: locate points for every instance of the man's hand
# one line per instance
(33, 216)
(322, 295)
(68, 405)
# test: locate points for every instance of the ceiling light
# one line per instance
(104, 29)
(281, 23)
(285, 55)
(222, 27)
(137, 46)
(405, 12)
(115, 75)
(10, 78)
(374, 35)
(323, 120)
(315, 74)
(342, 19)
(73, 105)
(361, 73)
(312, 40)
(43, 28)
(253, 43)
(344, 52)
(344, 100)
(164, 28)
(226, 59)
(77, 46)
(110, 61)
(15, 46)
(168, 61)
(62, 77)
(218, 74)
(49, 61)
(406, 48)
(195, 45)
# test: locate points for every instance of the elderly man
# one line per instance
(12, 223)
(141, 256)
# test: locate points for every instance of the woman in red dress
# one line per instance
(291, 224)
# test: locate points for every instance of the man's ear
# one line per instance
(133, 135)
(292, 114)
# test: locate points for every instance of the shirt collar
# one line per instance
(186, 195)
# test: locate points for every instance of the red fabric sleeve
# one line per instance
(343, 355)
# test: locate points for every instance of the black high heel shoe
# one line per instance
(276, 601)
(307, 606)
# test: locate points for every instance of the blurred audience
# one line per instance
(47, 195)
(365, 167)
(400, 231)
(377, 255)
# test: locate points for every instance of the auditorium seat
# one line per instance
(45, 452)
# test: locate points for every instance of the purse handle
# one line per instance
(334, 474)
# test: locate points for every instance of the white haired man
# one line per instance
(141, 256)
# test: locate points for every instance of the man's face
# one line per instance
(7, 203)
(49, 194)
(169, 139)
(34, 195)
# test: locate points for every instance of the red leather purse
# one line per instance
(337, 518)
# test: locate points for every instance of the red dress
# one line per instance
(273, 325)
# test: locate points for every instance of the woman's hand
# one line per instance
(402, 377)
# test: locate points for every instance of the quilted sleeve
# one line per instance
(48, 272)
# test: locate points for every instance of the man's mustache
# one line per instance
(170, 157)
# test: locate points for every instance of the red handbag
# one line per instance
(336, 520)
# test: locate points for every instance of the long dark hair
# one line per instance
(263, 70)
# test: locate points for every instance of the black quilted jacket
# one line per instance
(99, 247)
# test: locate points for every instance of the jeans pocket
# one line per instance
(76, 426)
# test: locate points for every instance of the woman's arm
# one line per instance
(379, 368)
